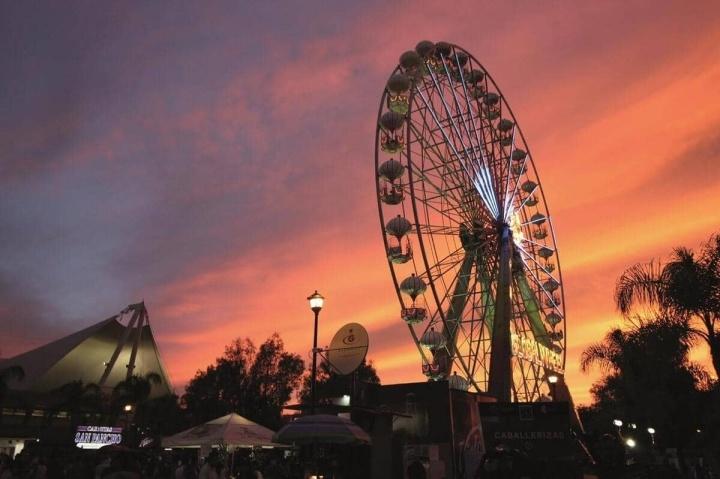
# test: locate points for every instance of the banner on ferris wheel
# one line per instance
(536, 353)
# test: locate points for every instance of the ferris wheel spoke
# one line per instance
(482, 163)
(507, 203)
(482, 145)
(444, 265)
(485, 189)
(452, 214)
(516, 189)
(442, 165)
(426, 173)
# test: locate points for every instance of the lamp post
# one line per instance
(316, 304)
(651, 431)
(618, 424)
(553, 379)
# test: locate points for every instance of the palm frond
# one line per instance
(640, 283)
(597, 354)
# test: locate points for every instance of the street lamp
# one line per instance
(651, 431)
(316, 304)
(618, 424)
(630, 442)
(553, 379)
(128, 408)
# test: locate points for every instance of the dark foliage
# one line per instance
(253, 382)
(686, 289)
(332, 385)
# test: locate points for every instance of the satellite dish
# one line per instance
(348, 348)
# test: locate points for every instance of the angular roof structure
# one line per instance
(104, 354)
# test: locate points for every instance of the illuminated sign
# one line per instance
(536, 353)
(95, 437)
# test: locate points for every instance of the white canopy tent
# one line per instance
(232, 431)
(105, 354)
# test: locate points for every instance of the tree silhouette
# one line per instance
(649, 379)
(77, 399)
(253, 382)
(686, 289)
(135, 389)
(331, 385)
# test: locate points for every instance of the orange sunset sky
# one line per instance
(216, 159)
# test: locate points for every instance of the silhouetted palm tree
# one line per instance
(77, 398)
(686, 289)
(135, 389)
(649, 378)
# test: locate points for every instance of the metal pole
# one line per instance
(314, 364)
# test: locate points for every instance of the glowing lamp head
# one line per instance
(128, 407)
(316, 301)
(617, 422)
(553, 379)
(651, 430)
(630, 442)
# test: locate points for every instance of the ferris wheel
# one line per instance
(467, 232)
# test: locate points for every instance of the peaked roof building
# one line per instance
(105, 354)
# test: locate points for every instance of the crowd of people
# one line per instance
(121, 463)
